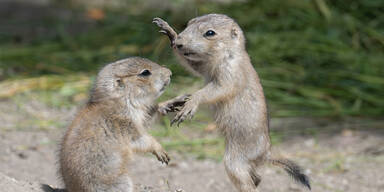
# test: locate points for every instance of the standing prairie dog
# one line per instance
(213, 46)
(112, 127)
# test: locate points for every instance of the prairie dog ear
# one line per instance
(119, 83)
(234, 33)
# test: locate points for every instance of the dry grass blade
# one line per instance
(12, 87)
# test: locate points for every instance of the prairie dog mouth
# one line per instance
(191, 56)
(188, 54)
(165, 84)
(185, 52)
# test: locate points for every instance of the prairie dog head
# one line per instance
(135, 80)
(209, 37)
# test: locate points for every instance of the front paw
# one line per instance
(167, 107)
(160, 23)
(165, 29)
(186, 112)
(164, 108)
(162, 156)
(173, 105)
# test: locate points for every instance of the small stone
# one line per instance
(22, 155)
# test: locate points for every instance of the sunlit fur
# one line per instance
(112, 127)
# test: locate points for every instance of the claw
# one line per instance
(163, 111)
(156, 20)
(163, 158)
(173, 121)
(166, 29)
(166, 109)
(180, 120)
(157, 156)
(166, 159)
(177, 108)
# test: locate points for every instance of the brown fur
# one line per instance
(112, 127)
(234, 91)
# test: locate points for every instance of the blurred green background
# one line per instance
(316, 58)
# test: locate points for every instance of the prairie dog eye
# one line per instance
(145, 73)
(209, 33)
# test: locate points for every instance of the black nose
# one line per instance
(179, 46)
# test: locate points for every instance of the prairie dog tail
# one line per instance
(293, 170)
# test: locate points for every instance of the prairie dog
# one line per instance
(112, 127)
(213, 46)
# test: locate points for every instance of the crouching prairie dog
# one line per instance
(111, 127)
(213, 46)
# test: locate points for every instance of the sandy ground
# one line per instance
(348, 160)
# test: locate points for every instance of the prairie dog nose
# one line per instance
(166, 72)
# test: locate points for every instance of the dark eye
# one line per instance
(145, 72)
(210, 33)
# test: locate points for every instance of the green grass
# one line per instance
(315, 58)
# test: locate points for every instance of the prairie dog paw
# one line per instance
(173, 105)
(162, 156)
(186, 112)
(166, 29)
